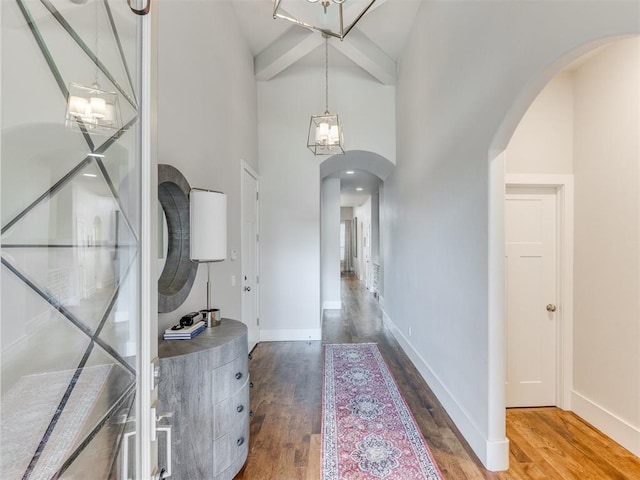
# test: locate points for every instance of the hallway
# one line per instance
(286, 399)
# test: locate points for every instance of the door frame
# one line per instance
(245, 167)
(564, 187)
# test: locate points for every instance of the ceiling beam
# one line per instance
(297, 42)
(285, 51)
(368, 56)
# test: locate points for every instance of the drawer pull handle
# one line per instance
(239, 408)
(240, 441)
(238, 375)
(250, 384)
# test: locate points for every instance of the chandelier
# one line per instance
(91, 107)
(325, 131)
(340, 31)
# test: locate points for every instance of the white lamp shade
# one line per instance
(208, 213)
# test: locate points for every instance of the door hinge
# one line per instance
(257, 279)
(258, 321)
(257, 196)
(257, 237)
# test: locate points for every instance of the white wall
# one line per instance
(290, 184)
(207, 115)
(363, 214)
(607, 242)
(330, 243)
(466, 78)
(375, 228)
(543, 142)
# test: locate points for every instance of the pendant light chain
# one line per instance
(326, 72)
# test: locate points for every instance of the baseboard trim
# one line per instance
(494, 454)
(291, 335)
(607, 422)
(332, 305)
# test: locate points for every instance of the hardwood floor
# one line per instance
(545, 443)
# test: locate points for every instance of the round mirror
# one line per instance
(179, 271)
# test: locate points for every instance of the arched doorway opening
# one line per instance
(352, 203)
(577, 124)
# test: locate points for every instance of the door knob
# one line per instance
(551, 307)
(247, 289)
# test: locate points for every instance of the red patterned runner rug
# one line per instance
(368, 431)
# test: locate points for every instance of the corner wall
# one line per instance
(466, 78)
(207, 122)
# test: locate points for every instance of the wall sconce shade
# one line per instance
(208, 225)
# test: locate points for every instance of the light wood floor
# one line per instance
(545, 443)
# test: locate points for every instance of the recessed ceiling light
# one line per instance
(92, 175)
(359, 189)
(350, 172)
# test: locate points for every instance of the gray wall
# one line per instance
(466, 78)
(330, 243)
(207, 122)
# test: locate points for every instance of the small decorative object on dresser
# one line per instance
(205, 383)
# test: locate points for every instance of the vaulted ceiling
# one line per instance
(375, 44)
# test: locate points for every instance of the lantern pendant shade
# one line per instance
(208, 214)
(325, 135)
(93, 108)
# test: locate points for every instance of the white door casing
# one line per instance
(531, 271)
(249, 254)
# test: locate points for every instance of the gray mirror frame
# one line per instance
(179, 271)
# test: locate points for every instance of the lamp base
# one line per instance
(211, 317)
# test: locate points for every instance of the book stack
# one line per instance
(184, 333)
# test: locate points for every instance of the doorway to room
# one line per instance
(579, 128)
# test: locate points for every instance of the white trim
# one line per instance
(249, 168)
(146, 452)
(565, 191)
(491, 453)
(611, 425)
(332, 305)
(291, 335)
(496, 338)
(245, 167)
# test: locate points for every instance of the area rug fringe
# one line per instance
(368, 431)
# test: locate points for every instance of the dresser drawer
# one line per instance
(229, 378)
(231, 446)
(231, 411)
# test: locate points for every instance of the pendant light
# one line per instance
(340, 29)
(325, 131)
(93, 108)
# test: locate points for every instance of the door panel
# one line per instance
(531, 272)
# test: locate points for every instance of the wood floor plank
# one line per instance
(285, 440)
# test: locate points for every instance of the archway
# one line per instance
(568, 398)
(341, 176)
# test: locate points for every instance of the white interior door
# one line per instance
(249, 255)
(531, 293)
